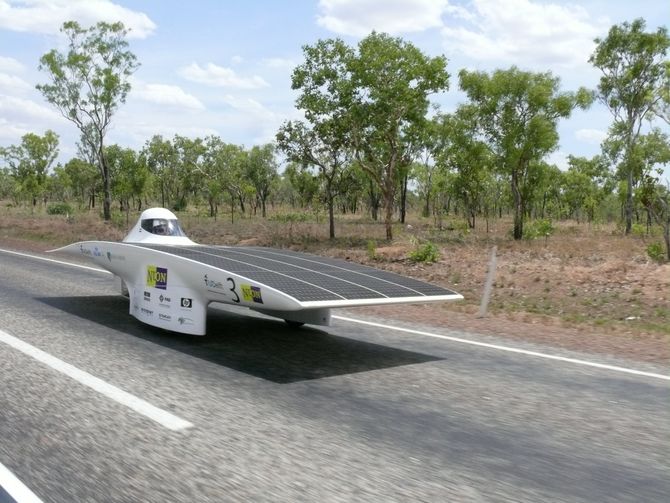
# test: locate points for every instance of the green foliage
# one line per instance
(542, 228)
(425, 253)
(371, 247)
(289, 218)
(634, 78)
(59, 209)
(372, 102)
(656, 252)
(88, 81)
(30, 162)
(518, 113)
(639, 230)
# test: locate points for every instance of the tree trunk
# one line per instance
(330, 202)
(518, 208)
(403, 199)
(331, 217)
(388, 217)
(388, 194)
(107, 193)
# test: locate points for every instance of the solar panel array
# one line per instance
(304, 276)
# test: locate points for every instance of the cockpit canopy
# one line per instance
(162, 227)
(158, 226)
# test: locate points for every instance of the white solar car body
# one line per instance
(171, 280)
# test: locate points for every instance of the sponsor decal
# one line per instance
(210, 283)
(96, 252)
(164, 317)
(252, 293)
(186, 303)
(157, 277)
(164, 301)
(147, 295)
(185, 321)
(85, 251)
(146, 311)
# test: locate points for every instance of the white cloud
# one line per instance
(236, 60)
(360, 17)
(10, 131)
(218, 76)
(524, 32)
(280, 63)
(21, 109)
(248, 105)
(592, 136)
(12, 83)
(47, 16)
(19, 116)
(164, 94)
(10, 65)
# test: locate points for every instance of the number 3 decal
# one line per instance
(232, 289)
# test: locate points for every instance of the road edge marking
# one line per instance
(133, 402)
(37, 257)
(508, 349)
(16, 489)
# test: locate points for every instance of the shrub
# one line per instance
(427, 253)
(372, 249)
(288, 218)
(538, 228)
(656, 252)
(639, 230)
(59, 209)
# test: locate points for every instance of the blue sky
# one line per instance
(224, 67)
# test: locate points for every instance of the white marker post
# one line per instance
(490, 276)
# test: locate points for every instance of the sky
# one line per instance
(223, 67)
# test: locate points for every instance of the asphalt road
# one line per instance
(346, 413)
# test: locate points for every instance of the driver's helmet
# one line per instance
(160, 227)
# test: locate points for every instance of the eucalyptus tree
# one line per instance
(225, 170)
(303, 181)
(261, 172)
(466, 156)
(188, 179)
(518, 114)
(130, 176)
(635, 79)
(323, 140)
(7, 184)
(82, 178)
(586, 184)
(30, 162)
(88, 82)
(423, 168)
(371, 101)
(214, 172)
(161, 158)
(391, 81)
(322, 146)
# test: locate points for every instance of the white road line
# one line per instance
(162, 417)
(37, 257)
(15, 488)
(453, 339)
(508, 349)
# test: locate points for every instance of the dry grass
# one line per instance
(582, 276)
